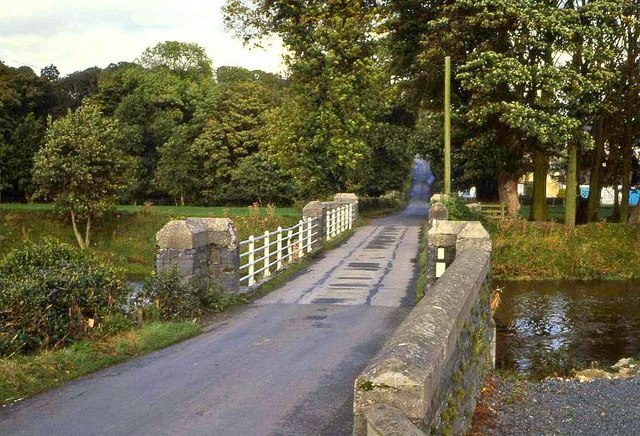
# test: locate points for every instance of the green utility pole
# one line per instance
(447, 125)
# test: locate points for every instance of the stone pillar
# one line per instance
(473, 235)
(316, 209)
(343, 198)
(447, 239)
(201, 247)
(437, 212)
(441, 248)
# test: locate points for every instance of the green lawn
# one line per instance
(556, 213)
(192, 211)
(126, 237)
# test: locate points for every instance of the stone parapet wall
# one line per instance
(431, 370)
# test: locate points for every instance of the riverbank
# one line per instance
(556, 406)
(524, 250)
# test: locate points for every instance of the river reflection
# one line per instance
(572, 322)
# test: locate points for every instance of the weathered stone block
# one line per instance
(385, 420)
(438, 212)
(343, 198)
(316, 210)
(201, 247)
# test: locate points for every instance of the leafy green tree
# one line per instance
(338, 83)
(82, 167)
(177, 171)
(187, 60)
(259, 179)
(18, 153)
(233, 131)
(22, 107)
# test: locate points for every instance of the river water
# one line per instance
(549, 327)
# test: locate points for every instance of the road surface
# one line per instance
(284, 365)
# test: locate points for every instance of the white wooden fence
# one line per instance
(261, 256)
(339, 219)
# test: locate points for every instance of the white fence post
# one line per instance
(300, 238)
(251, 260)
(309, 234)
(350, 216)
(267, 254)
(334, 221)
(279, 247)
(289, 245)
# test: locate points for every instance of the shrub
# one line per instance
(168, 296)
(372, 204)
(459, 211)
(51, 294)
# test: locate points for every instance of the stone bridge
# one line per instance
(288, 362)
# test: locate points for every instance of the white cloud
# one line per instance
(78, 34)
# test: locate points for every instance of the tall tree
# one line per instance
(82, 167)
(187, 60)
(320, 131)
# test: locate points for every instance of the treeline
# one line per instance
(193, 135)
(540, 86)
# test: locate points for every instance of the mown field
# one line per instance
(126, 237)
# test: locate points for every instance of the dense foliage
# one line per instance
(539, 86)
(168, 296)
(52, 294)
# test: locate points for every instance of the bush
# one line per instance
(168, 296)
(459, 211)
(372, 204)
(52, 294)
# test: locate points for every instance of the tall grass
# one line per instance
(530, 251)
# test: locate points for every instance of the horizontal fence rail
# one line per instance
(263, 255)
(338, 220)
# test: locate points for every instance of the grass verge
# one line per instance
(24, 376)
(555, 213)
(546, 251)
(421, 282)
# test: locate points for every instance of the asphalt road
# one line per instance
(284, 365)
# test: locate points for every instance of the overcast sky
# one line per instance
(78, 34)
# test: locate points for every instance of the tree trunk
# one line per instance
(635, 216)
(87, 231)
(508, 190)
(616, 201)
(181, 199)
(595, 184)
(76, 232)
(572, 185)
(540, 170)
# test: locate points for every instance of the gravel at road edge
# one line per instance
(559, 407)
